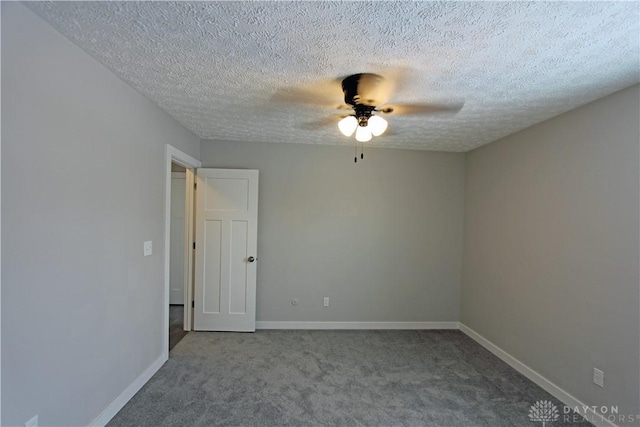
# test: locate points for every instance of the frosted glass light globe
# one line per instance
(363, 134)
(348, 125)
(377, 125)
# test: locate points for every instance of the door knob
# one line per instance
(251, 259)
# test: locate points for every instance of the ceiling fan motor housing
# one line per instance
(359, 92)
(360, 89)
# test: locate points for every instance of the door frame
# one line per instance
(173, 155)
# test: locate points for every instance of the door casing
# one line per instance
(173, 155)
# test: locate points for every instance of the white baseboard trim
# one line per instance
(538, 379)
(127, 394)
(356, 325)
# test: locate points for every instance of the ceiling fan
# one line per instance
(366, 95)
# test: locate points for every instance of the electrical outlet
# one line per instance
(326, 301)
(33, 422)
(148, 248)
(598, 377)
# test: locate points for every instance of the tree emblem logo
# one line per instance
(543, 411)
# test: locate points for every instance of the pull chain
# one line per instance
(355, 152)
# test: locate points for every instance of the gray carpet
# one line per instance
(176, 325)
(334, 378)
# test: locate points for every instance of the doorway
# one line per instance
(177, 241)
(178, 250)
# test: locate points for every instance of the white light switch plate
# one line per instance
(148, 248)
(598, 377)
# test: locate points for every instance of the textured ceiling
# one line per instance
(216, 66)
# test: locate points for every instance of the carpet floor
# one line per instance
(176, 323)
(335, 378)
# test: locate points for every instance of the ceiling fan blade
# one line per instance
(420, 109)
(395, 80)
(300, 96)
(379, 87)
(367, 89)
(319, 124)
(322, 93)
(374, 89)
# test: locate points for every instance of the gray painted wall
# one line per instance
(82, 188)
(382, 238)
(551, 248)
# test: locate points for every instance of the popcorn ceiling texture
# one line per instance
(214, 66)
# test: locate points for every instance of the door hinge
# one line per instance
(194, 245)
(193, 304)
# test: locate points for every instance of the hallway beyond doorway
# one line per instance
(176, 330)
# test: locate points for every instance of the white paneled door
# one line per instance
(226, 244)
